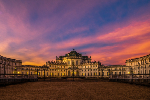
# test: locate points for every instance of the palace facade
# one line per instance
(139, 65)
(75, 64)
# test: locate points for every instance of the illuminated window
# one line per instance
(69, 62)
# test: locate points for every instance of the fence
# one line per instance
(141, 79)
(6, 79)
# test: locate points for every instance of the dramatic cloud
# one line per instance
(108, 31)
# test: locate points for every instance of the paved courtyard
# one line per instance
(74, 91)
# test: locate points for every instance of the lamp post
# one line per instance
(73, 70)
(44, 72)
(4, 69)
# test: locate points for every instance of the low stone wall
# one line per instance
(9, 81)
(145, 82)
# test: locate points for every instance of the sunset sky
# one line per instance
(110, 31)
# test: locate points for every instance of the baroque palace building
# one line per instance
(139, 65)
(75, 64)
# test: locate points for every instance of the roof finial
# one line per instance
(73, 49)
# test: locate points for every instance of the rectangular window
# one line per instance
(91, 69)
(76, 62)
(119, 73)
(103, 74)
(85, 66)
(115, 73)
(99, 73)
(145, 71)
(68, 62)
(107, 73)
(31, 73)
(124, 73)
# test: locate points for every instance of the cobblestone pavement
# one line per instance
(74, 91)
